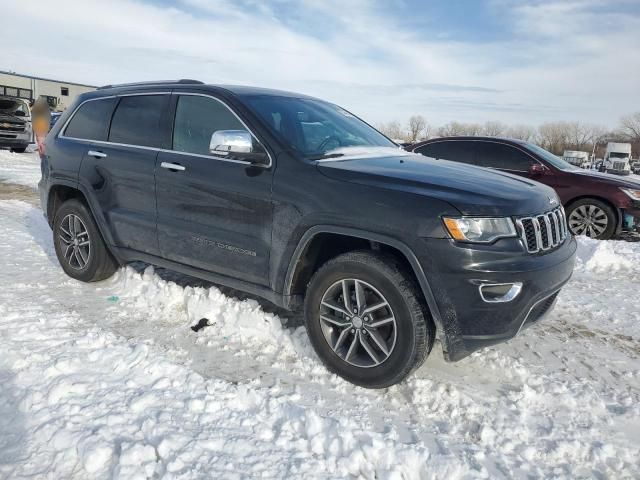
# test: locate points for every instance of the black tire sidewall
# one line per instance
(404, 353)
(611, 216)
(98, 266)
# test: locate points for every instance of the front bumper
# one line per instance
(456, 271)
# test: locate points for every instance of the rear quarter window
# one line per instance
(91, 120)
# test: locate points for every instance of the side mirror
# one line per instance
(237, 145)
(537, 169)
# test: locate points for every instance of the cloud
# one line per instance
(563, 60)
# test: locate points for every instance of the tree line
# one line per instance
(553, 136)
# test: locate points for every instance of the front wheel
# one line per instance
(593, 218)
(79, 246)
(366, 321)
(19, 149)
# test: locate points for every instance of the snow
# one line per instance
(20, 168)
(108, 380)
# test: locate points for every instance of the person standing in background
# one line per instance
(41, 119)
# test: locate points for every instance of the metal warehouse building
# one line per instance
(59, 94)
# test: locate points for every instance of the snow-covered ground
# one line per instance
(20, 168)
(107, 380)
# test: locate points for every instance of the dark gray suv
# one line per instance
(296, 200)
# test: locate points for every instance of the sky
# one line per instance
(467, 60)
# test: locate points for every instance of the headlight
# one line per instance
(479, 230)
(634, 194)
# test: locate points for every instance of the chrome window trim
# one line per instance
(105, 142)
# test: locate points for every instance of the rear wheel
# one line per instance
(79, 246)
(19, 149)
(593, 218)
(366, 321)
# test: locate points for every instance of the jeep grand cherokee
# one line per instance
(297, 200)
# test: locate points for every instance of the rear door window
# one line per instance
(139, 120)
(91, 120)
(453, 150)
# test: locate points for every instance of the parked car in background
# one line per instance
(635, 167)
(15, 124)
(597, 204)
(299, 201)
(54, 118)
(617, 158)
(577, 158)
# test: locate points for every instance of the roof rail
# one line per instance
(182, 81)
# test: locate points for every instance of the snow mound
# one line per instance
(601, 257)
(244, 321)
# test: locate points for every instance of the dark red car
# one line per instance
(598, 205)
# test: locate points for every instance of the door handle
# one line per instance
(96, 154)
(172, 166)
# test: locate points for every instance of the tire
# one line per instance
(91, 261)
(344, 344)
(593, 218)
(19, 149)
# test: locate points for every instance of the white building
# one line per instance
(59, 94)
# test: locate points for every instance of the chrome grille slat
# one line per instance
(543, 232)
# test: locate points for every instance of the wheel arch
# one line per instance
(302, 263)
(61, 192)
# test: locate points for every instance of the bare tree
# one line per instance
(453, 129)
(494, 129)
(630, 126)
(415, 128)
(393, 130)
(553, 136)
(522, 132)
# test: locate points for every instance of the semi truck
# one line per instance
(617, 158)
(577, 158)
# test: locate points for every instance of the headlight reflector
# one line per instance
(479, 230)
(632, 193)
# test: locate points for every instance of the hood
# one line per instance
(14, 109)
(626, 182)
(472, 190)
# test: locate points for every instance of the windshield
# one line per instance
(551, 158)
(14, 107)
(315, 128)
(618, 155)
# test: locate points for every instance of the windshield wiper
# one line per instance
(326, 156)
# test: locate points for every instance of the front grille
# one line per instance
(9, 126)
(619, 165)
(543, 232)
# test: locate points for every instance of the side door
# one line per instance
(214, 213)
(120, 172)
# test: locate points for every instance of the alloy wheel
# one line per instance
(74, 241)
(357, 322)
(588, 220)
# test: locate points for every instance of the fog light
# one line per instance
(500, 292)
